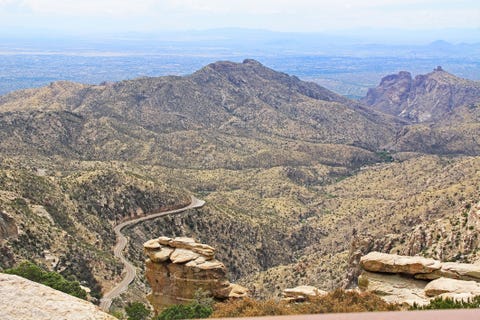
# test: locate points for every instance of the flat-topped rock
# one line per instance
(445, 285)
(392, 263)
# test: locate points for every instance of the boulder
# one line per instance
(164, 240)
(445, 285)
(302, 293)
(183, 255)
(160, 255)
(392, 263)
(152, 244)
(237, 291)
(394, 288)
(24, 299)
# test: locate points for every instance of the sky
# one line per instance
(147, 16)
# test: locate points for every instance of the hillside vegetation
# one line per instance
(290, 171)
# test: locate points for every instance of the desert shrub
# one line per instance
(448, 303)
(336, 301)
(52, 279)
(248, 307)
(137, 311)
(192, 310)
(201, 307)
(346, 301)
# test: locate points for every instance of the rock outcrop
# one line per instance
(8, 228)
(24, 299)
(423, 98)
(302, 293)
(405, 279)
(177, 268)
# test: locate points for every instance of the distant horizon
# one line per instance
(351, 37)
(386, 21)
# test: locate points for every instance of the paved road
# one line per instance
(129, 269)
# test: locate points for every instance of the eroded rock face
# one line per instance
(424, 98)
(24, 299)
(394, 288)
(405, 279)
(176, 268)
(392, 263)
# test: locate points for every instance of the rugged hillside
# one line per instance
(456, 133)
(289, 171)
(425, 98)
(245, 110)
(63, 216)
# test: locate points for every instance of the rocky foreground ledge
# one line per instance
(24, 299)
(405, 279)
(177, 267)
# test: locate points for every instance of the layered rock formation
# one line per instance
(24, 299)
(177, 268)
(405, 279)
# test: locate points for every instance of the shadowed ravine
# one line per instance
(120, 245)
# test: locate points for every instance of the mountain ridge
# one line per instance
(425, 98)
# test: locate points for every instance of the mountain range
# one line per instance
(291, 172)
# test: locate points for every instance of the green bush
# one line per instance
(201, 307)
(137, 311)
(447, 303)
(192, 310)
(31, 271)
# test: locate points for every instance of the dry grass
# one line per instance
(338, 301)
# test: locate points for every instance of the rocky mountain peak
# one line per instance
(425, 98)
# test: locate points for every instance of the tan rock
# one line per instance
(446, 285)
(210, 264)
(161, 255)
(392, 263)
(394, 288)
(191, 244)
(152, 244)
(164, 240)
(176, 279)
(24, 299)
(302, 293)
(181, 242)
(237, 291)
(453, 270)
(183, 255)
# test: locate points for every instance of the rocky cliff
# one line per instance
(177, 268)
(415, 279)
(24, 299)
(423, 98)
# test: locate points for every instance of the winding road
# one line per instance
(120, 245)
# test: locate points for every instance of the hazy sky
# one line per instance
(107, 16)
